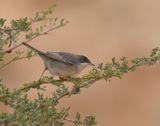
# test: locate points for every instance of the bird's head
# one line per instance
(84, 61)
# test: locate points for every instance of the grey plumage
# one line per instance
(62, 63)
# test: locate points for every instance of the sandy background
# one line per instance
(99, 29)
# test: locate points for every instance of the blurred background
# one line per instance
(99, 29)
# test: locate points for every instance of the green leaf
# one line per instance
(22, 24)
(90, 121)
(2, 21)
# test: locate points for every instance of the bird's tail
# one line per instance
(29, 46)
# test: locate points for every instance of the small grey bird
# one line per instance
(62, 64)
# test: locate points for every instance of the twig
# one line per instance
(83, 85)
(34, 84)
(13, 60)
(74, 122)
(9, 31)
(69, 120)
(39, 83)
(7, 63)
(7, 102)
(37, 35)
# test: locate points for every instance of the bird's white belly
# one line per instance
(61, 69)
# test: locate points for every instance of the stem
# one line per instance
(13, 60)
(43, 33)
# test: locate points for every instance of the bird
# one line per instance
(62, 64)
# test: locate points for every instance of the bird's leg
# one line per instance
(42, 73)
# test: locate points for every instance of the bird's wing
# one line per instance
(64, 57)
